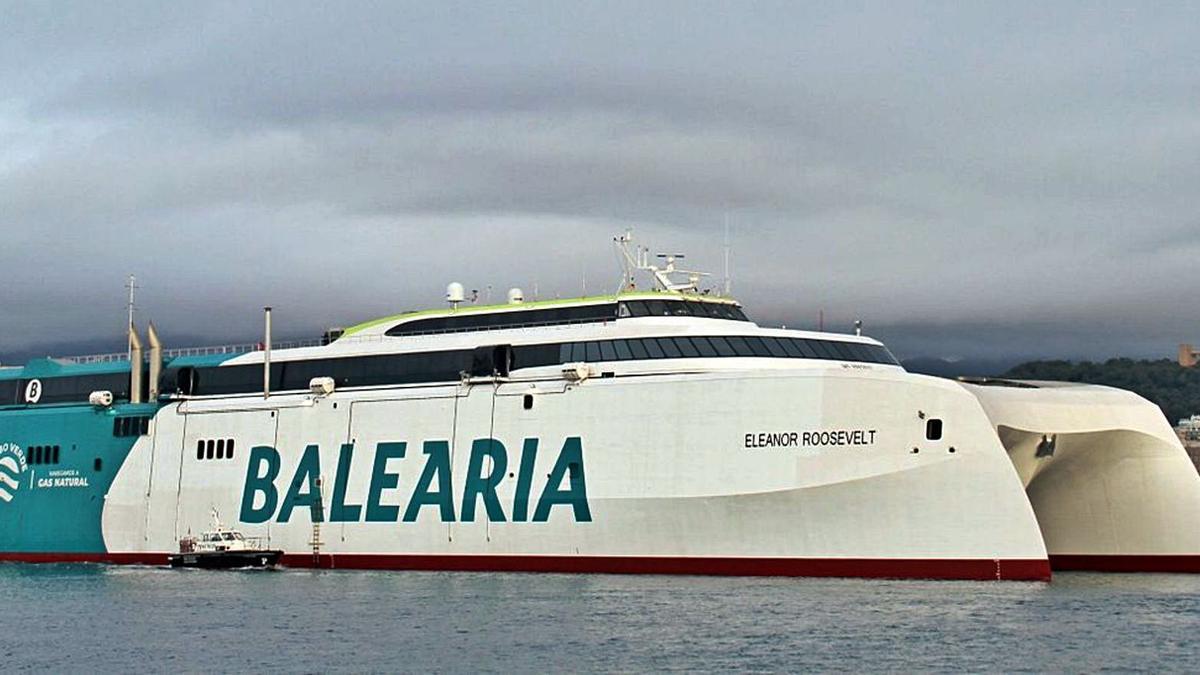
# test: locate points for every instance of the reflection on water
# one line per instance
(87, 617)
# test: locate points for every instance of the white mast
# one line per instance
(131, 285)
(728, 290)
(640, 260)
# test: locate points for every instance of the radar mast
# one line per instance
(638, 259)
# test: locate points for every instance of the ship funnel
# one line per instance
(155, 361)
(135, 366)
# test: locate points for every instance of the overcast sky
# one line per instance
(1010, 180)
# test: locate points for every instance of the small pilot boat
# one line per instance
(223, 548)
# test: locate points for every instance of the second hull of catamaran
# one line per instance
(1109, 480)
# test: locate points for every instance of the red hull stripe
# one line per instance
(1189, 564)
(1019, 570)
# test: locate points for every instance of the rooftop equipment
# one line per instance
(455, 294)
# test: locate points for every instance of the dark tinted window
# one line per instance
(66, 389)
(8, 392)
(791, 347)
(686, 348)
(821, 349)
(470, 321)
(638, 349)
(740, 346)
(637, 308)
(758, 346)
(704, 346)
(722, 346)
(607, 352)
(669, 349)
(622, 347)
(843, 350)
(714, 346)
(806, 350)
(656, 308)
(654, 349)
(774, 347)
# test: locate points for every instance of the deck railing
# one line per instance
(232, 349)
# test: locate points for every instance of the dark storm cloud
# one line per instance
(1013, 181)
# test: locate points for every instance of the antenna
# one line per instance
(728, 290)
(131, 285)
(641, 261)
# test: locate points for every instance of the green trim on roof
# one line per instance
(538, 304)
(201, 360)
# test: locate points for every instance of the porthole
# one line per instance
(527, 403)
(933, 429)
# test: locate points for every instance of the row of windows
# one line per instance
(221, 448)
(553, 316)
(717, 346)
(707, 310)
(450, 365)
(361, 371)
(447, 366)
(43, 454)
(131, 426)
(66, 389)
(470, 321)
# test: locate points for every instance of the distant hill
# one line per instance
(930, 365)
(1173, 388)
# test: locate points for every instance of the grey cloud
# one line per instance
(1025, 174)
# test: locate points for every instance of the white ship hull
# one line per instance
(817, 470)
(1112, 486)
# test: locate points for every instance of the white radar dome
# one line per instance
(455, 293)
(515, 296)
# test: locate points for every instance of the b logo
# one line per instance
(33, 391)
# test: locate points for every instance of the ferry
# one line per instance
(652, 430)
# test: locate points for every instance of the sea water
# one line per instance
(97, 618)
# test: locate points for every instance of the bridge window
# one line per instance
(705, 347)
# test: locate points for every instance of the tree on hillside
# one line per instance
(1173, 388)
